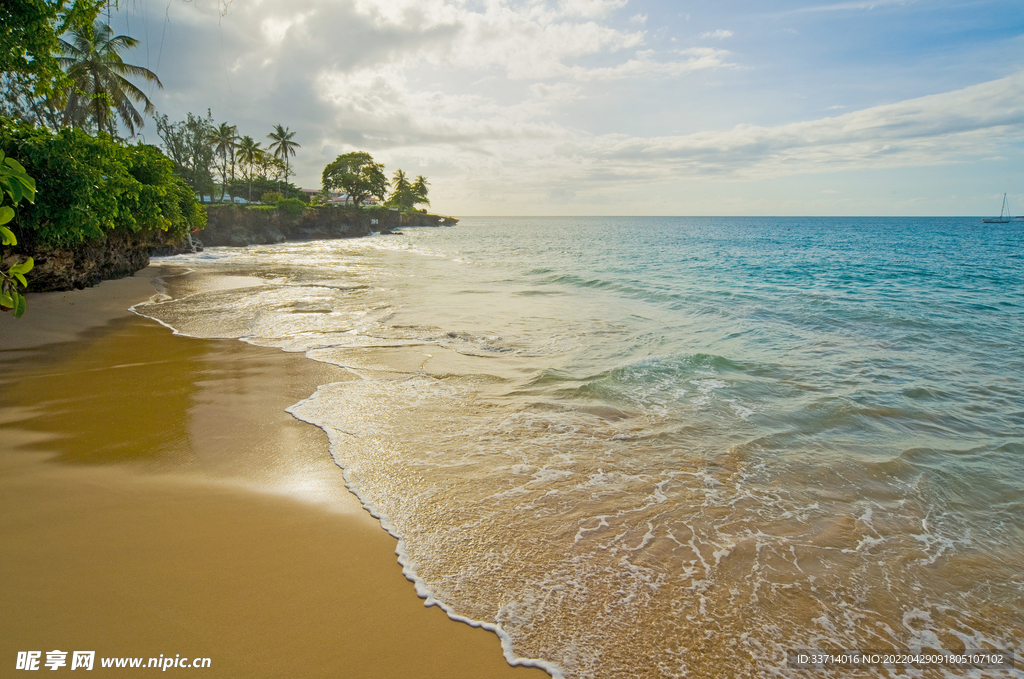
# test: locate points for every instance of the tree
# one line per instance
(88, 186)
(419, 189)
(99, 87)
(187, 144)
(30, 41)
(357, 175)
(402, 195)
(224, 141)
(248, 150)
(283, 146)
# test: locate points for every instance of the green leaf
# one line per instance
(15, 191)
(19, 305)
(8, 236)
(6, 301)
(6, 215)
(23, 267)
(11, 162)
(20, 278)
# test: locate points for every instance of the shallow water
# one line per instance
(666, 447)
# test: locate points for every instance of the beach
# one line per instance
(632, 447)
(157, 500)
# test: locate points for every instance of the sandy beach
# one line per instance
(156, 499)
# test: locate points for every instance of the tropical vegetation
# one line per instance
(15, 185)
(406, 195)
(99, 89)
(30, 41)
(88, 186)
(282, 146)
(357, 175)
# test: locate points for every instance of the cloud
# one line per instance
(645, 63)
(536, 101)
(570, 167)
(941, 128)
(848, 6)
(529, 41)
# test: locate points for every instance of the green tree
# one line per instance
(187, 144)
(357, 175)
(402, 195)
(16, 185)
(282, 146)
(99, 88)
(30, 73)
(224, 142)
(420, 190)
(88, 186)
(248, 150)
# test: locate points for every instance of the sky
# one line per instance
(619, 107)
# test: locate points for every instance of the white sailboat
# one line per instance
(1004, 215)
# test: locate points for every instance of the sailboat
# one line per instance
(1004, 215)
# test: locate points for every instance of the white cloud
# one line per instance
(644, 63)
(948, 127)
(526, 41)
(560, 167)
(530, 101)
(857, 5)
(591, 9)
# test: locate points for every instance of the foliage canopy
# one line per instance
(16, 185)
(99, 88)
(357, 175)
(90, 185)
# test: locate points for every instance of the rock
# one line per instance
(119, 254)
(116, 255)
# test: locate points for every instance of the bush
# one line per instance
(87, 186)
(271, 198)
(291, 206)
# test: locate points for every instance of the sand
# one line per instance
(155, 499)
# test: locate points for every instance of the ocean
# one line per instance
(670, 447)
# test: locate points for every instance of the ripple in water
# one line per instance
(667, 448)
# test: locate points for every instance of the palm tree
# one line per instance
(402, 196)
(283, 146)
(224, 140)
(248, 152)
(419, 189)
(92, 60)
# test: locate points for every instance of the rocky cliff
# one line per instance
(116, 255)
(119, 254)
(238, 226)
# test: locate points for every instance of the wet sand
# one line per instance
(155, 499)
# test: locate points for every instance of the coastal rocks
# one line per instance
(119, 254)
(425, 219)
(238, 226)
(116, 255)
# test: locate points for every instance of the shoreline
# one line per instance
(157, 498)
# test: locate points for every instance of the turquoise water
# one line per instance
(666, 447)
